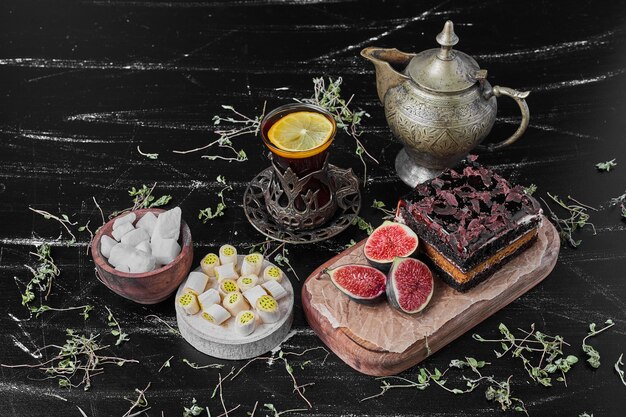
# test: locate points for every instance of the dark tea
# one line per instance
(298, 135)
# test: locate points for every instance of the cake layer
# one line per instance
(465, 284)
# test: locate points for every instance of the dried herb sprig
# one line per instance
(143, 198)
(37, 311)
(498, 391)
(140, 402)
(619, 368)
(276, 413)
(117, 329)
(281, 355)
(76, 362)
(329, 97)
(535, 342)
(531, 189)
(579, 218)
(240, 125)
(282, 254)
(606, 166)
(208, 214)
(389, 214)
(618, 200)
(148, 155)
(193, 410)
(64, 220)
(593, 355)
(196, 366)
(43, 276)
(166, 364)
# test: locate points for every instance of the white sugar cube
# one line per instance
(147, 222)
(120, 254)
(168, 225)
(123, 268)
(145, 247)
(106, 243)
(122, 230)
(135, 237)
(129, 218)
(140, 262)
(165, 250)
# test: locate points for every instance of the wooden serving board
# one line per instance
(377, 340)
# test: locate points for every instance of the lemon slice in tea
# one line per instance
(300, 131)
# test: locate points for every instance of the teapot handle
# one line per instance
(519, 97)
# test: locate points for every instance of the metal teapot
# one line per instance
(439, 104)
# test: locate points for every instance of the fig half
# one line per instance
(388, 241)
(361, 283)
(410, 285)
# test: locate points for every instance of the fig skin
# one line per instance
(391, 291)
(384, 264)
(366, 301)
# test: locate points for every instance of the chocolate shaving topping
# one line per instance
(469, 205)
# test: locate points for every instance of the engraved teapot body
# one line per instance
(439, 104)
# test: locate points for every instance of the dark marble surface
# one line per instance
(82, 83)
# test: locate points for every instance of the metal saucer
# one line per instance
(349, 202)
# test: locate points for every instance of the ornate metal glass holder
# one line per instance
(293, 203)
(269, 204)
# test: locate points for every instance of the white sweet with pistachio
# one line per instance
(274, 289)
(226, 271)
(128, 218)
(272, 273)
(245, 322)
(245, 282)
(267, 309)
(228, 255)
(227, 286)
(235, 302)
(209, 297)
(121, 230)
(165, 250)
(145, 247)
(167, 225)
(208, 264)
(189, 302)
(106, 244)
(215, 314)
(254, 293)
(147, 222)
(135, 237)
(196, 282)
(252, 264)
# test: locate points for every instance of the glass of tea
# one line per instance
(301, 194)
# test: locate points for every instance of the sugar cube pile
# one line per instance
(145, 245)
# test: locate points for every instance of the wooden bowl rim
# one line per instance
(103, 263)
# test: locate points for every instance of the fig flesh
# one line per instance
(388, 241)
(361, 283)
(410, 285)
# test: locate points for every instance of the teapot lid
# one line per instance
(444, 69)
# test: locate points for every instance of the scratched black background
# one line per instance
(83, 83)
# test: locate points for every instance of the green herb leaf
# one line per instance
(606, 166)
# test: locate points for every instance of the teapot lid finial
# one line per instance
(447, 39)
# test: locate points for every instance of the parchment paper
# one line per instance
(393, 331)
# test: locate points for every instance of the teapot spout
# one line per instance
(385, 59)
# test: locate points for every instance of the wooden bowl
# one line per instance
(149, 287)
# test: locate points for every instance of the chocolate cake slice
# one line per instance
(470, 222)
